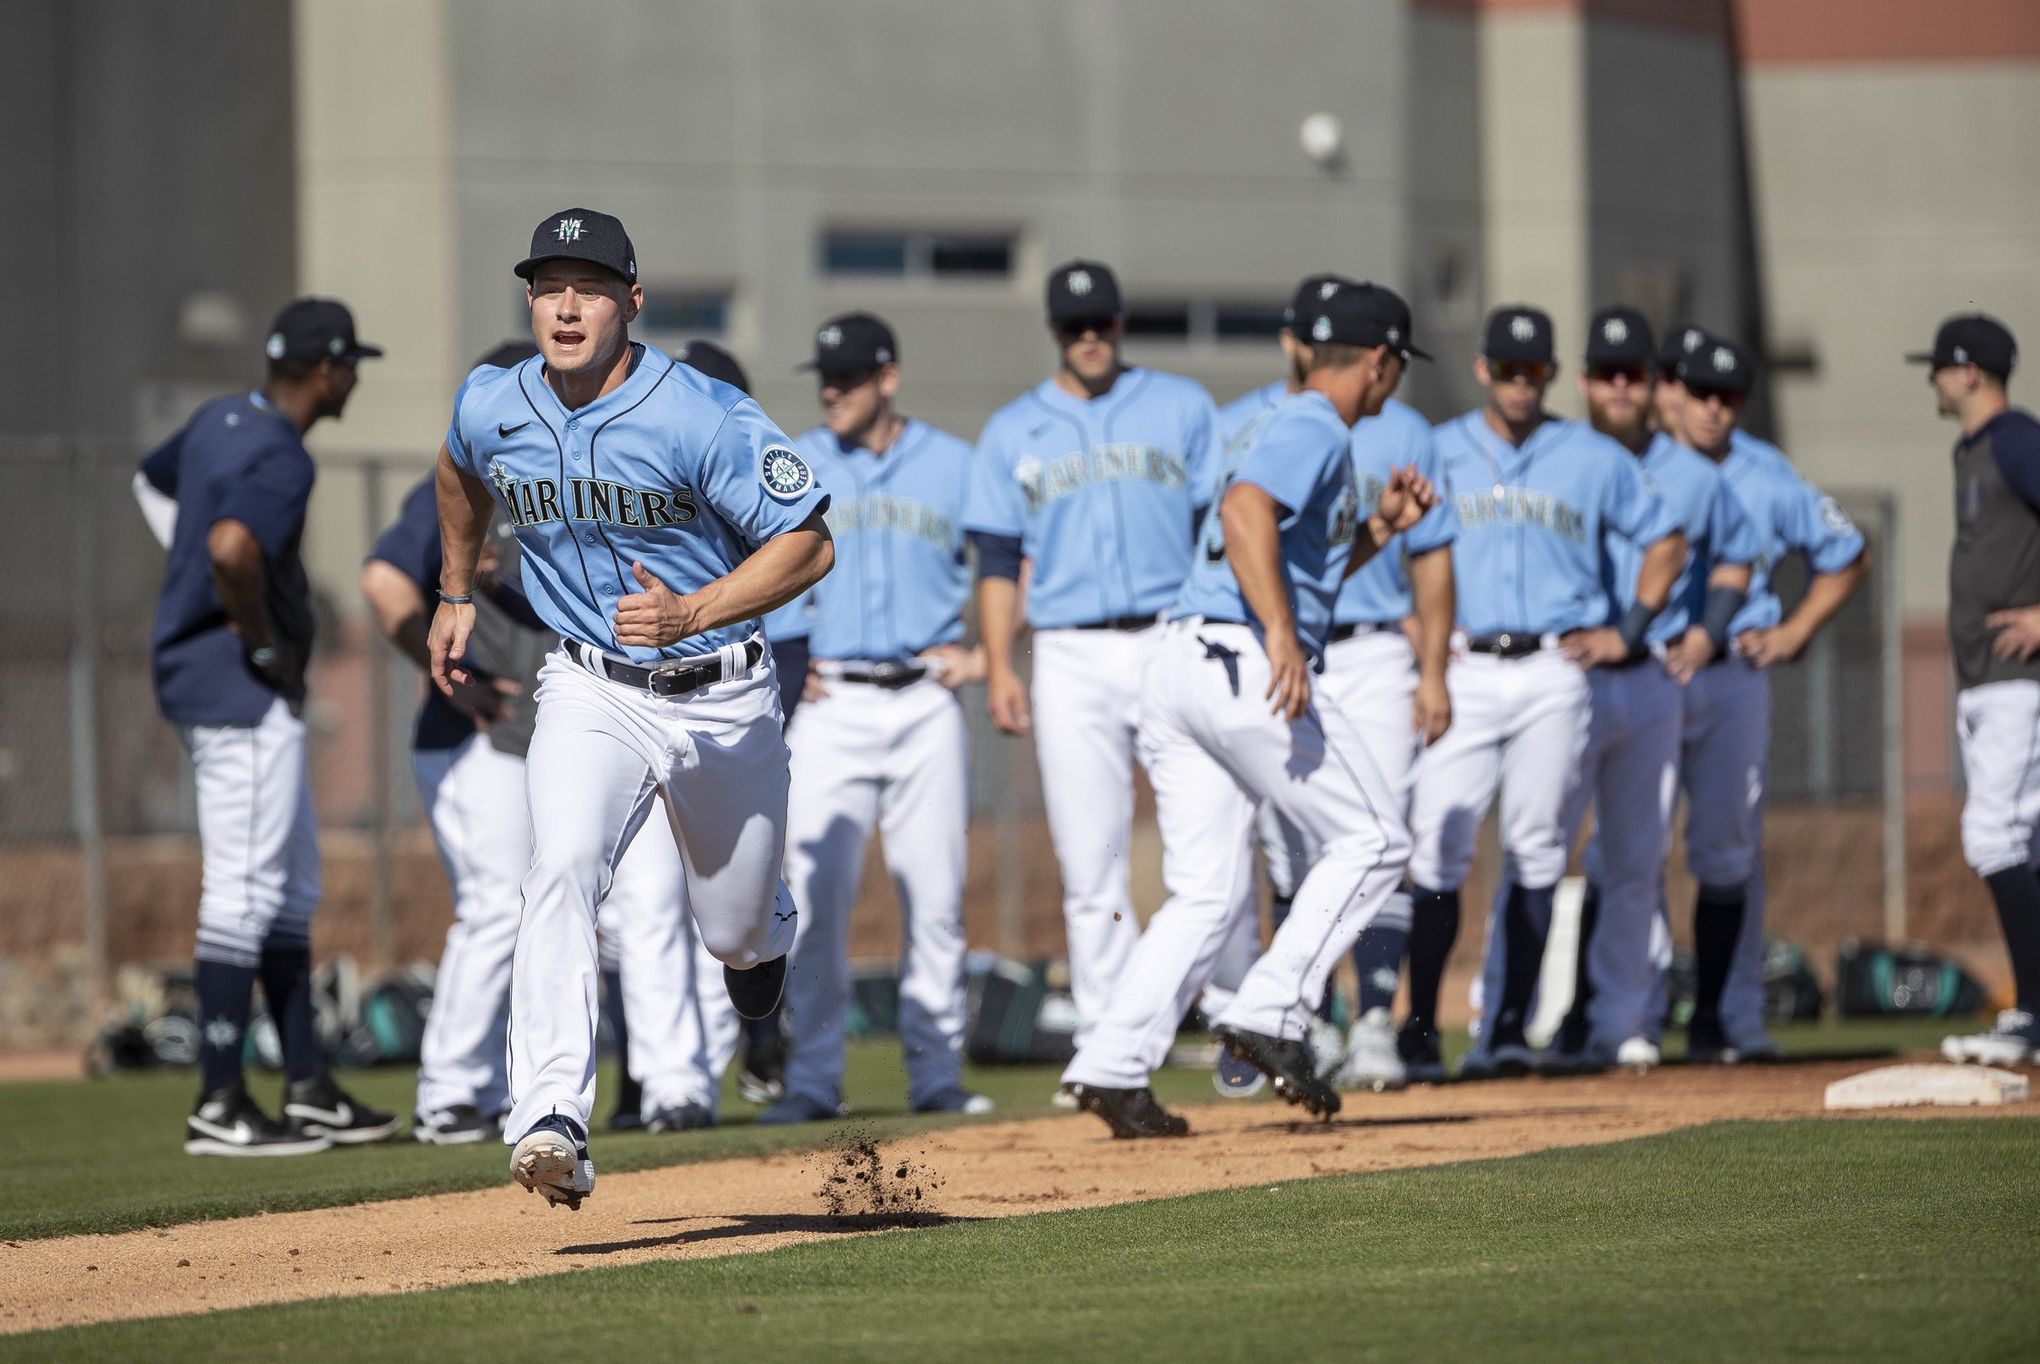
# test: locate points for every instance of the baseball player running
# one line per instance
(1229, 719)
(622, 469)
(881, 739)
(1724, 760)
(232, 635)
(1096, 476)
(1534, 496)
(1629, 771)
(1384, 667)
(1994, 626)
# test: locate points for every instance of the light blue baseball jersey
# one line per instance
(1379, 591)
(1301, 457)
(791, 621)
(1527, 559)
(1099, 492)
(902, 576)
(1717, 532)
(671, 468)
(1787, 514)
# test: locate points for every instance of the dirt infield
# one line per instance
(743, 1206)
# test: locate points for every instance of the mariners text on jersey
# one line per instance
(535, 501)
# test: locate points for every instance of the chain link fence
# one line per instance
(98, 846)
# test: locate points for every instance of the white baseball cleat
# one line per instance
(1638, 1054)
(552, 1159)
(1327, 1046)
(1373, 1060)
(2013, 1041)
(1064, 1100)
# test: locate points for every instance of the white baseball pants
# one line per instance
(1086, 716)
(1213, 752)
(898, 760)
(1999, 725)
(602, 753)
(258, 840)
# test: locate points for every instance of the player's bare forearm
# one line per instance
(237, 576)
(998, 620)
(1660, 569)
(399, 610)
(1253, 547)
(1432, 587)
(464, 511)
(778, 571)
(1826, 595)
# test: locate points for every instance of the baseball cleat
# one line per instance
(956, 1099)
(552, 1159)
(1130, 1113)
(2014, 1040)
(1707, 1045)
(793, 1108)
(318, 1107)
(454, 1125)
(1573, 1061)
(630, 1106)
(1423, 1056)
(687, 1117)
(1236, 1079)
(1287, 1063)
(762, 1080)
(1508, 1060)
(227, 1122)
(755, 992)
(1373, 1061)
(1064, 1099)
(1327, 1046)
(1638, 1054)
(1759, 1049)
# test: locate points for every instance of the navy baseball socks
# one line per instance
(1717, 923)
(1526, 925)
(226, 1000)
(630, 1095)
(2016, 892)
(1434, 927)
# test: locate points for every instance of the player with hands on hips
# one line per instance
(1994, 628)
(1534, 496)
(881, 739)
(1725, 709)
(1228, 719)
(1628, 773)
(231, 639)
(1095, 478)
(659, 514)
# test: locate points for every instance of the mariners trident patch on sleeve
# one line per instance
(785, 474)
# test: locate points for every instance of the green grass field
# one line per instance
(1802, 1240)
(106, 1155)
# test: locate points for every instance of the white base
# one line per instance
(1939, 1086)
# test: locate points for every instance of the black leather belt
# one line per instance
(1123, 623)
(1372, 627)
(666, 679)
(890, 674)
(1505, 646)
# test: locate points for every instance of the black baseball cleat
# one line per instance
(552, 1159)
(455, 1125)
(227, 1122)
(755, 992)
(630, 1102)
(762, 1080)
(1287, 1063)
(686, 1117)
(318, 1107)
(1130, 1113)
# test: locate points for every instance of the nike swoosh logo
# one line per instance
(240, 1133)
(331, 1117)
(502, 430)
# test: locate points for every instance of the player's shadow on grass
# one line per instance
(766, 1224)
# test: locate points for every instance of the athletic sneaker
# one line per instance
(1373, 1061)
(1130, 1113)
(318, 1107)
(1423, 1055)
(1759, 1048)
(1236, 1079)
(1064, 1099)
(687, 1117)
(1707, 1044)
(552, 1159)
(762, 1080)
(455, 1125)
(1507, 1060)
(956, 1099)
(2013, 1041)
(227, 1122)
(793, 1108)
(1327, 1045)
(1285, 1061)
(1639, 1054)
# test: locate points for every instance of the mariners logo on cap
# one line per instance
(1328, 288)
(1692, 340)
(1078, 282)
(569, 230)
(829, 337)
(274, 347)
(784, 473)
(1394, 335)
(1523, 328)
(1321, 330)
(1724, 360)
(1614, 331)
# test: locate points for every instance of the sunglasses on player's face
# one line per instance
(1703, 395)
(843, 381)
(1076, 328)
(1531, 372)
(1633, 375)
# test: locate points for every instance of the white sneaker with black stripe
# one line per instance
(227, 1122)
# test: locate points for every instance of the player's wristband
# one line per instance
(1633, 625)
(457, 598)
(1715, 618)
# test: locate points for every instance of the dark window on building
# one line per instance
(917, 254)
(1203, 321)
(684, 311)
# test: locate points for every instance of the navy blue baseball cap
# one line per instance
(854, 343)
(1520, 334)
(309, 330)
(1361, 314)
(1620, 336)
(1309, 290)
(1717, 365)
(1972, 339)
(1083, 289)
(715, 362)
(1678, 344)
(581, 234)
